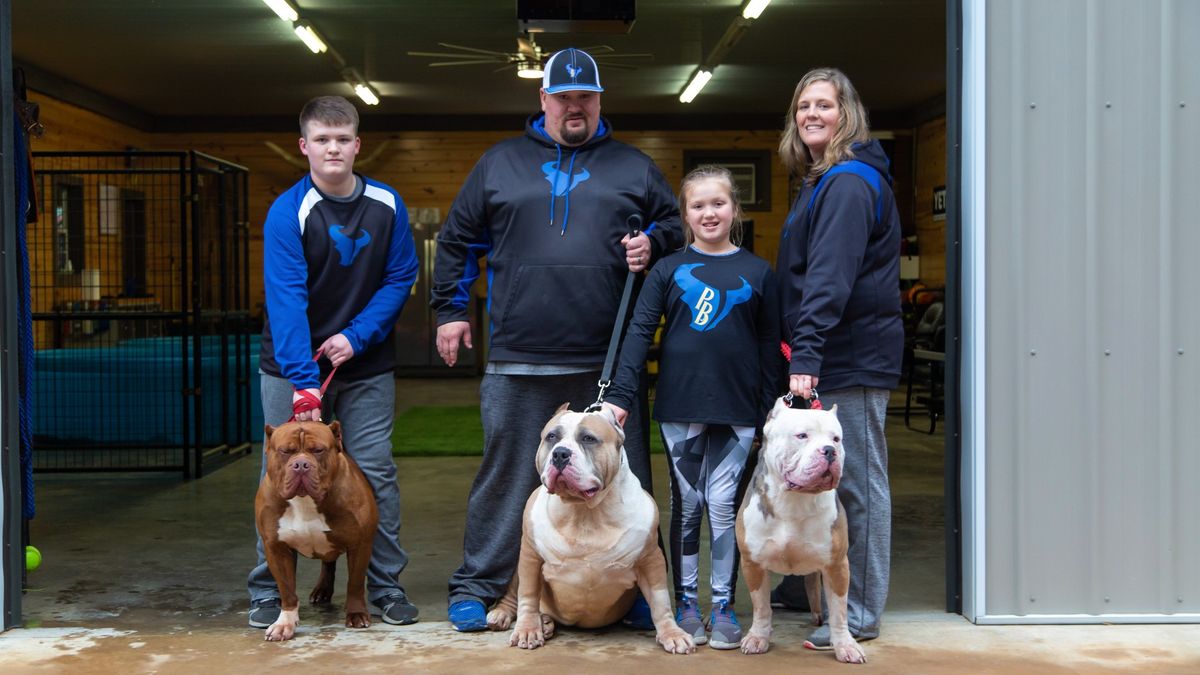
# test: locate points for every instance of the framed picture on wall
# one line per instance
(751, 171)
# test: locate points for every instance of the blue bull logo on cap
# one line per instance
(704, 301)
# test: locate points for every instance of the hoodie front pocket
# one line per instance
(568, 308)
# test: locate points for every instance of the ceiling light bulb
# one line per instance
(367, 94)
(283, 9)
(754, 8)
(529, 71)
(693, 88)
(310, 38)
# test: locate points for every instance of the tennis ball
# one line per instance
(33, 558)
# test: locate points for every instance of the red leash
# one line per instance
(307, 401)
(814, 403)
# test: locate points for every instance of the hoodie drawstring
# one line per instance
(567, 208)
(554, 187)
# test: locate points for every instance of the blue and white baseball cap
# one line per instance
(571, 70)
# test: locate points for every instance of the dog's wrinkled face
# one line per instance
(804, 447)
(302, 458)
(580, 454)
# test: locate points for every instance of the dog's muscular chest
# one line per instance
(790, 540)
(590, 546)
(304, 529)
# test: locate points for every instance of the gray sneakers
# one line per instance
(723, 624)
(396, 609)
(264, 612)
(687, 615)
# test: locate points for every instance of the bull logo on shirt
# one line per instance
(706, 303)
(348, 248)
(562, 182)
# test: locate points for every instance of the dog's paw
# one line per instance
(676, 641)
(499, 619)
(321, 596)
(817, 618)
(527, 635)
(280, 631)
(755, 644)
(358, 619)
(850, 652)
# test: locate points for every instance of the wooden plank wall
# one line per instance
(427, 167)
(930, 173)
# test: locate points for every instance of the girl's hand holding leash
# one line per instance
(618, 412)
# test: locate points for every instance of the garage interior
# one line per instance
(227, 78)
(157, 556)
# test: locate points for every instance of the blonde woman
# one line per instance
(838, 268)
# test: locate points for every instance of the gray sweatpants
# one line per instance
(366, 409)
(867, 498)
(514, 408)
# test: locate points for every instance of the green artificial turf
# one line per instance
(437, 431)
(447, 431)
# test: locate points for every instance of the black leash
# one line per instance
(635, 228)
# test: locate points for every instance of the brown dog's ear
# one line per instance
(563, 408)
(336, 427)
(268, 430)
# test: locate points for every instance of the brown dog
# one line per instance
(314, 500)
(589, 540)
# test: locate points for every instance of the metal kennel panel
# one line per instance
(140, 297)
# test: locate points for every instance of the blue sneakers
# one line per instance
(638, 617)
(468, 616)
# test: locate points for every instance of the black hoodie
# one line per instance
(839, 276)
(549, 220)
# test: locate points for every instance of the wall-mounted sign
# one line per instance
(939, 202)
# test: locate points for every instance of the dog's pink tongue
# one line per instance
(553, 478)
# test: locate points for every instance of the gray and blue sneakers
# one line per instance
(723, 625)
(687, 615)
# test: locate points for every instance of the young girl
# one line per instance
(717, 375)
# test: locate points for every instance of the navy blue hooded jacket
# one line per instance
(839, 276)
(549, 219)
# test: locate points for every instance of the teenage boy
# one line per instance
(338, 264)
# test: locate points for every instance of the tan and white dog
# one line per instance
(792, 522)
(589, 540)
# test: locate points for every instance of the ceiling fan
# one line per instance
(527, 60)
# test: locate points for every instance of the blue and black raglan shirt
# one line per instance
(720, 360)
(839, 272)
(334, 265)
(549, 219)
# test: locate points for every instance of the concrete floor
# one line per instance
(146, 573)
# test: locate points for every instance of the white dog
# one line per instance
(791, 522)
